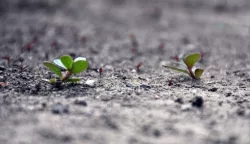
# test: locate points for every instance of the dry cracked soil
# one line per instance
(154, 105)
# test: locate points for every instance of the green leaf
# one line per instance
(79, 66)
(177, 69)
(67, 61)
(59, 63)
(52, 80)
(198, 73)
(73, 80)
(53, 68)
(191, 59)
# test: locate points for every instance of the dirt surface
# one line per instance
(152, 106)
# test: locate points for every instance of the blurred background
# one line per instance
(74, 5)
(209, 25)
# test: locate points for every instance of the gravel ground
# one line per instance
(152, 106)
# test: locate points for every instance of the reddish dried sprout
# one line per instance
(161, 46)
(83, 39)
(176, 58)
(138, 66)
(202, 56)
(100, 71)
(54, 44)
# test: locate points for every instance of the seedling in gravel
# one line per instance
(100, 71)
(190, 61)
(7, 58)
(71, 67)
(202, 56)
(28, 46)
(176, 58)
(84, 39)
(161, 47)
(31, 44)
(54, 44)
(138, 67)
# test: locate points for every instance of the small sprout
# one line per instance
(71, 67)
(84, 39)
(176, 58)
(190, 61)
(100, 71)
(28, 46)
(202, 56)
(54, 44)
(161, 46)
(138, 66)
(7, 58)
(134, 50)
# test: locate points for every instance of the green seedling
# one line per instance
(67, 64)
(189, 62)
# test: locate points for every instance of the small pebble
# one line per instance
(197, 102)
(80, 102)
(157, 133)
(228, 94)
(214, 89)
(179, 100)
(145, 86)
(90, 83)
(129, 85)
(44, 105)
(241, 112)
(134, 71)
(186, 107)
(2, 68)
(59, 108)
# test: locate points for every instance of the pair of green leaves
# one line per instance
(66, 62)
(190, 61)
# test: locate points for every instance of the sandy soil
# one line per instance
(153, 106)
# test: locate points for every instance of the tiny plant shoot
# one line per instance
(7, 58)
(176, 58)
(138, 67)
(100, 71)
(84, 39)
(66, 62)
(190, 61)
(161, 46)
